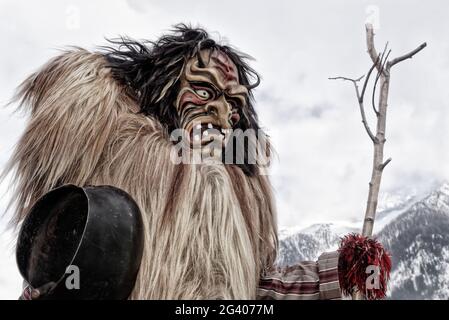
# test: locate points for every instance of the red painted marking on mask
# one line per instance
(190, 97)
(225, 65)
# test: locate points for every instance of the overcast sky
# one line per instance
(324, 155)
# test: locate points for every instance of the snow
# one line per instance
(392, 201)
(285, 232)
(392, 206)
(443, 292)
(421, 270)
(439, 198)
(386, 219)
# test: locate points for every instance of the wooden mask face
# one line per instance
(211, 100)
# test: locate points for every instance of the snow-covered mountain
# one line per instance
(419, 243)
(416, 232)
(309, 243)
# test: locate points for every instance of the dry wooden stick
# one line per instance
(383, 67)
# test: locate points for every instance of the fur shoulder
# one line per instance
(75, 103)
(75, 73)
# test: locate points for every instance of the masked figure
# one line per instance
(133, 116)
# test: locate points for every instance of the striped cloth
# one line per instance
(304, 281)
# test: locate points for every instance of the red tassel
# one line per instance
(356, 254)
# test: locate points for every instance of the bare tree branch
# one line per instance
(360, 100)
(383, 165)
(370, 45)
(362, 113)
(367, 79)
(383, 61)
(408, 55)
(347, 79)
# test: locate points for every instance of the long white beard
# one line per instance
(200, 249)
(210, 229)
(200, 243)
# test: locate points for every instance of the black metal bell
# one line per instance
(82, 243)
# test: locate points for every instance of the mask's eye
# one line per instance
(203, 94)
(234, 104)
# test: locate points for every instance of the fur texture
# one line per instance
(210, 229)
(152, 70)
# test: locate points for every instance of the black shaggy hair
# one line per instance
(152, 69)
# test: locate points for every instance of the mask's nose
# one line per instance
(221, 110)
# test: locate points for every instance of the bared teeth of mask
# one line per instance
(196, 137)
(198, 126)
(209, 125)
(205, 133)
